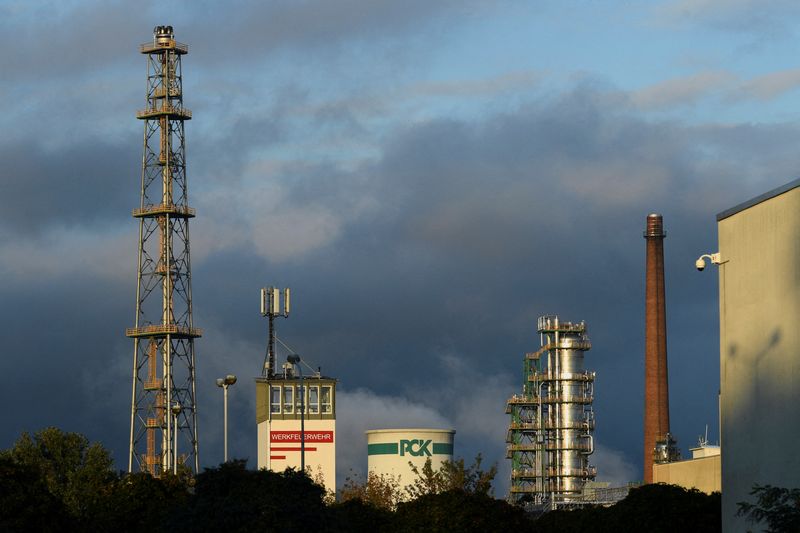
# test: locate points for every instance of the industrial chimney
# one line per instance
(659, 445)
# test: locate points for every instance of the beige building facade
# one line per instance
(759, 308)
(701, 472)
(278, 417)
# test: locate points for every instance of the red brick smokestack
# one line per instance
(656, 391)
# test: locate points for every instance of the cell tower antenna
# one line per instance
(271, 308)
(163, 334)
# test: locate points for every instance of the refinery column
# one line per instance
(164, 333)
(656, 387)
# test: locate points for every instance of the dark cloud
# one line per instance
(85, 184)
(482, 226)
(256, 28)
(74, 40)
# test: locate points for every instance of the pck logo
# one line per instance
(415, 447)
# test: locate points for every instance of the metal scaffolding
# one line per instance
(549, 437)
(163, 434)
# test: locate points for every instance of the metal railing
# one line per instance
(163, 45)
(164, 110)
(164, 208)
(561, 376)
(163, 329)
(568, 445)
(535, 425)
(568, 398)
(551, 323)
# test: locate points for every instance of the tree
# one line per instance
(381, 491)
(25, 502)
(654, 508)
(458, 510)
(232, 498)
(74, 471)
(452, 475)
(142, 503)
(355, 515)
(778, 507)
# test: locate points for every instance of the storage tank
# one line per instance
(390, 451)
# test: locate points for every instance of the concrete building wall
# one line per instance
(279, 448)
(759, 286)
(278, 422)
(702, 474)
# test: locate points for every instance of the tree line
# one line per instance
(59, 481)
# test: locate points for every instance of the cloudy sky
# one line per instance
(428, 177)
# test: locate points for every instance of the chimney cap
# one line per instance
(655, 226)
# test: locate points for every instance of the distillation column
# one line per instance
(163, 432)
(550, 436)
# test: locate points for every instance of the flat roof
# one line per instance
(281, 378)
(758, 199)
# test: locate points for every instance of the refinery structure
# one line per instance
(163, 428)
(550, 435)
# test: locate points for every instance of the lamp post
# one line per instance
(226, 382)
(294, 359)
(176, 410)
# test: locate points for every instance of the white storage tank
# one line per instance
(390, 451)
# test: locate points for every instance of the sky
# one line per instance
(427, 177)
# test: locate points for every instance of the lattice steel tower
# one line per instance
(163, 407)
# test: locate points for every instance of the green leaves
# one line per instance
(778, 507)
(73, 471)
(452, 475)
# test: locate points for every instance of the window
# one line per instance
(275, 400)
(313, 400)
(300, 397)
(326, 400)
(288, 395)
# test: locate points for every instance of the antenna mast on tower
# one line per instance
(271, 308)
(163, 408)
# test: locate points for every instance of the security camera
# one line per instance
(700, 264)
(715, 259)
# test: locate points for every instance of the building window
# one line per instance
(300, 396)
(275, 400)
(313, 400)
(325, 400)
(288, 395)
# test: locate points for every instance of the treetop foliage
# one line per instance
(453, 475)
(58, 481)
(778, 507)
(386, 492)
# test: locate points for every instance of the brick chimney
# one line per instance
(656, 389)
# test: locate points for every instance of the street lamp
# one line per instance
(294, 359)
(176, 410)
(226, 382)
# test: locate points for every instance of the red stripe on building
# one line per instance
(282, 449)
(273, 457)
